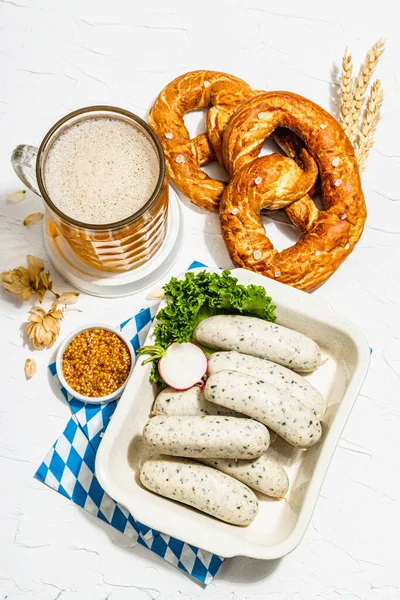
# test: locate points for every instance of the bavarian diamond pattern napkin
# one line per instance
(68, 468)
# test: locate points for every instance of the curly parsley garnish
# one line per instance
(199, 296)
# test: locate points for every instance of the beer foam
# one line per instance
(101, 170)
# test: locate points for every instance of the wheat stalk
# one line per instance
(352, 100)
(369, 124)
(346, 96)
(360, 87)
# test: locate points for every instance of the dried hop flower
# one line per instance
(44, 327)
(18, 282)
(23, 282)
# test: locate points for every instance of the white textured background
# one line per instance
(58, 56)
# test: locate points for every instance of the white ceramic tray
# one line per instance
(280, 525)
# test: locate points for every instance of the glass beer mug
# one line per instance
(114, 247)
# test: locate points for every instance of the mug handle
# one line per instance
(23, 160)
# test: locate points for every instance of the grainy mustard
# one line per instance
(96, 363)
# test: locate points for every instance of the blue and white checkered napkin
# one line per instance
(69, 469)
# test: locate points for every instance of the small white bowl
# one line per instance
(102, 399)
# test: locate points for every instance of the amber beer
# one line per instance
(101, 173)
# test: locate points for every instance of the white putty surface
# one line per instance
(58, 56)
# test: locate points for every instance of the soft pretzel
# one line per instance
(183, 156)
(331, 234)
(303, 211)
(223, 93)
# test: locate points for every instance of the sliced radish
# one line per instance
(183, 365)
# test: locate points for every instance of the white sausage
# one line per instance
(257, 337)
(263, 474)
(192, 403)
(281, 377)
(207, 437)
(189, 402)
(200, 486)
(263, 402)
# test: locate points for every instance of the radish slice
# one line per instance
(183, 365)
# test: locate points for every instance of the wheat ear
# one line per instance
(369, 124)
(361, 85)
(346, 95)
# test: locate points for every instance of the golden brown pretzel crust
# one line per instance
(193, 91)
(331, 234)
(223, 93)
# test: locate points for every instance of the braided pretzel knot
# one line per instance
(275, 181)
(223, 93)
(183, 156)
